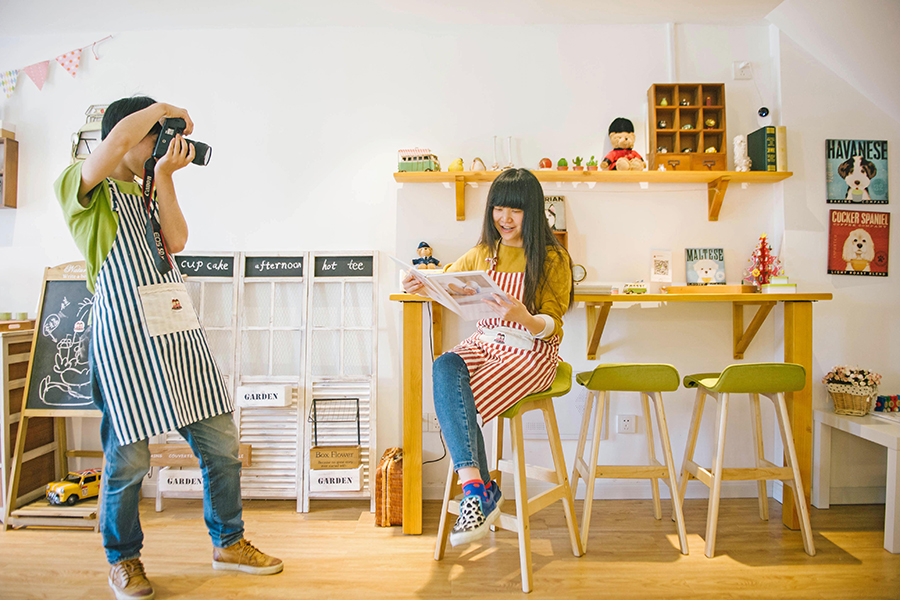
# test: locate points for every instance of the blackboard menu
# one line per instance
(205, 266)
(343, 266)
(273, 266)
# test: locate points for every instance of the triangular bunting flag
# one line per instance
(38, 73)
(70, 60)
(8, 81)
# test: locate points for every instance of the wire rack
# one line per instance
(331, 411)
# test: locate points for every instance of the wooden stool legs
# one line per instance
(590, 471)
(764, 470)
(525, 506)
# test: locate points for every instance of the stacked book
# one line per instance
(767, 149)
(779, 285)
(597, 289)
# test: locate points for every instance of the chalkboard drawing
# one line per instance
(70, 379)
(52, 321)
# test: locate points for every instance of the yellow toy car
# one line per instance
(76, 486)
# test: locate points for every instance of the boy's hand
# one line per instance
(179, 155)
(173, 112)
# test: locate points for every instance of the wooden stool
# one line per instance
(628, 378)
(525, 507)
(771, 380)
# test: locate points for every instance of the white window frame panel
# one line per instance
(337, 386)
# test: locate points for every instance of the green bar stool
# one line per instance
(771, 380)
(650, 380)
(525, 506)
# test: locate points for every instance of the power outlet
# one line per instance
(743, 69)
(430, 422)
(626, 423)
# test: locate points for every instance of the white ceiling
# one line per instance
(34, 17)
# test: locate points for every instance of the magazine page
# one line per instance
(463, 292)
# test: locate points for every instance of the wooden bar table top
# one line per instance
(798, 348)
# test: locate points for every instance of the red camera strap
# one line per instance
(155, 237)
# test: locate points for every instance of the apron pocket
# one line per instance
(167, 309)
(507, 336)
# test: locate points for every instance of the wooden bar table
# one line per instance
(798, 348)
(798, 328)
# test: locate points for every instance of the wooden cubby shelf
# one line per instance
(716, 181)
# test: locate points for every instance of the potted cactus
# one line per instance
(562, 165)
(592, 164)
(577, 160)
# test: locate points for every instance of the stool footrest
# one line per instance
(545, 499)
(705, 475)
(531, 471)
(631, 472)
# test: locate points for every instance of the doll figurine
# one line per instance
(425, 260)
(623, 157)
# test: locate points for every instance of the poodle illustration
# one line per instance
(706, 271)
(859, 250)
(858, 173)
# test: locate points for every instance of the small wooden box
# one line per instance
(334, 457)
(712, 289)
(335, 480)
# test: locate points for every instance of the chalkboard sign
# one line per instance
(59, 377)
(343, 266)
(273, 266)
(205, 266)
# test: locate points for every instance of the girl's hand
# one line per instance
(510, 309)
(179, 155)
(411, 285)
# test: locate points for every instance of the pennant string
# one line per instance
(38, 71)
(94, 46)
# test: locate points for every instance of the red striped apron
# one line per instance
(506, 362)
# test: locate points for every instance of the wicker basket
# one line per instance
(851, 400)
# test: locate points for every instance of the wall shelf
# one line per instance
(716, 181)
(9, 161)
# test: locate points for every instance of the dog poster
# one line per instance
(704, 266)
(856, 171)
(858, 243)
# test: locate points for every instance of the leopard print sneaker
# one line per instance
(477, 511)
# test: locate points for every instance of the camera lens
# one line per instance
(763, 112)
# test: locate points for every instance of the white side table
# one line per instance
(879, 431)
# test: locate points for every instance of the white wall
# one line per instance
(305, 124)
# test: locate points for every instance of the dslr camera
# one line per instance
(171, 128)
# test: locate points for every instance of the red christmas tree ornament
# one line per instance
(763, 264)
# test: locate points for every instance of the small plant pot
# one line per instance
(592, 167)
(562, 168)
(578, 168)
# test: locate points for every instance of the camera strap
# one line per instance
(155, 238)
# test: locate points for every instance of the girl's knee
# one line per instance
(448, 363)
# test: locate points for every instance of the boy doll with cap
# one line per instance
(425, 260)
(623, 156)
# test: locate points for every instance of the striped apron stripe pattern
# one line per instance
(502, 375)
(150, 384)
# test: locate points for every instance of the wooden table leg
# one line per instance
(798, 349)
(412, 418)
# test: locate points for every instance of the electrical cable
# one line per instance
(431, 349)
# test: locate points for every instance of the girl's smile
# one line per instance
(508, 222)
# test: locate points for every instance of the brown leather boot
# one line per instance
(128, 581)
(244, 557)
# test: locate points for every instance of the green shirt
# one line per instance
(93, 227)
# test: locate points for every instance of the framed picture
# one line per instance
(856, 171)
(858, 243)
(661, 265)
(555, 209)
(704, 266)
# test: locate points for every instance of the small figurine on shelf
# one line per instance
(478, 164)
(562, 165)
(425, 260)
(623, 156)
(764, 265)
(664, 102)
(545, 165)
(456, 165)
(577, 160)
(710, 123)
(741, 160)
(638, 287)
(592, 164)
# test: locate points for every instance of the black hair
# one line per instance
(123, 107)
(520, 189)
(621, 124)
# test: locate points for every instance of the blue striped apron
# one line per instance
(153, 362)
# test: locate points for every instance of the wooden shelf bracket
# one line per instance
(596, 321)
(460, 198)
(716, 190)
(742, 338)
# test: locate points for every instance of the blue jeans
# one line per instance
(214, 440)
(454, 404)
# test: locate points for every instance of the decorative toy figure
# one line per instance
(741, 160)
(638, 287)
(425, 260)
(76, 486)
(763, 264)
(546, 164)
(562, 165)
(623, 157)
(592, 164)
(577, 160)
(456, 165)
(478, 164)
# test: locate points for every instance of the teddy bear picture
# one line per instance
(623, 157)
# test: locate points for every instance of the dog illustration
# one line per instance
(857, 172)
(706, 271)
(859, 250)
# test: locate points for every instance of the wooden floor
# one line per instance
(335, 551)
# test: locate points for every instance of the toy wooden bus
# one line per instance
(417, 159)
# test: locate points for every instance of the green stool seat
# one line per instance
(752, 378)
(560, 387)
(630, 378)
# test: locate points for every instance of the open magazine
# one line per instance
(462, 292)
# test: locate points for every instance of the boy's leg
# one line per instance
(215, 442)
